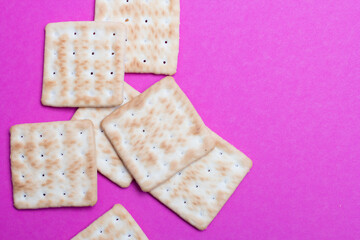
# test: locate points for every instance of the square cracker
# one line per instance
(117, 223)
(199, 192)
(108, 162)
(84, 64)
(158, 133)
(152, 44)
(53, 164)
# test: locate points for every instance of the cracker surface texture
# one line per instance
(53, 164)
(84, 64)
(199, 192)
(158, 133)
(152, 43)
(117, 223)
(108, 162)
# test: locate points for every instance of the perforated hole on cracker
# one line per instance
(83, 64)
(53, 164)
(152, 43)
(152, 149)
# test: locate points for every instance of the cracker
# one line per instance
(199, 192)
(117, 223)
(53, 164)
(84, 64)
(152, 44)
(108, 162)
(157, 133)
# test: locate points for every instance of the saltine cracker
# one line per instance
(84, 64)
(158, 133)
(53, 164)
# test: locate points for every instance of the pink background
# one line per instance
(277, 79)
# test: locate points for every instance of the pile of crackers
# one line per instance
(156, 137)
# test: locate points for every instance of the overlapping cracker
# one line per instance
(158, 133)
(53, 164)
(84, 64)
(152, 44)
(117, 223)
(199, 192)
(108, 162)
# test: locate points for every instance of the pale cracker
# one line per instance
(108, 162)
(53, 164)
(84, 64)
(199, 192)
(117, 223)
(158, 133)
(152, 44)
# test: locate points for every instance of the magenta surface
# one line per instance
(277, 79)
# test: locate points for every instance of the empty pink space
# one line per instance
(277, 79)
